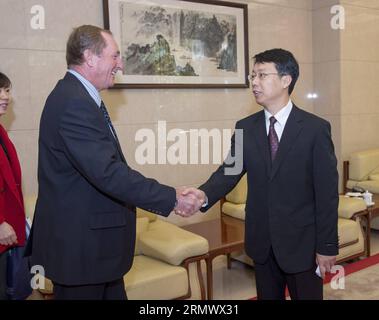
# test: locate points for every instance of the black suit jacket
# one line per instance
(84, 223)
(292, 203)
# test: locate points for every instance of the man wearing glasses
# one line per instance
(292, 202)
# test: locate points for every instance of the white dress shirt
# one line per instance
(281, 119)
(88, 85)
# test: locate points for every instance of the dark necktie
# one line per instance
(108, 119)
(273, 138)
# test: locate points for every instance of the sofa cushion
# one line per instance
(141, 226)
(146, 279)
(143, 213)
(234, 210)
(152, 279)
(350, 184)
(239, 193)
(348, 231)
(363, 163)
(374, 176)
(370, 185)
(347, 206)
(167, 242)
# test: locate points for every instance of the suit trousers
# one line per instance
(3, 275)
(271, 282)
(114, 290)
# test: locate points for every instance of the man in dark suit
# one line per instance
(292, 201)
(83, 232)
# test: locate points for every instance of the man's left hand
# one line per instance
(325, 263)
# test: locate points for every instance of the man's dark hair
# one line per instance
(284, 61)
(83, 38)
(4, 81)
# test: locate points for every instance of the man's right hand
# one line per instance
(8, 236)
(189, 200)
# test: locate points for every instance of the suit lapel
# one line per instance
(114, 139)
(119, 149)
(260, 135)
(71, 77)
(291, 131)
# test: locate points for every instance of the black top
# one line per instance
(4, 148)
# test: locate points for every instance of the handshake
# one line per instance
(189, 201)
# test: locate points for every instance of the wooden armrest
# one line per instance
(345, 176)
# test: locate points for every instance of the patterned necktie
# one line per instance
(273, 138)
(108, 119)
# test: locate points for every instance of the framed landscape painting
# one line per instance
(180, 44)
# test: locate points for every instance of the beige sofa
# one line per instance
(362, 170)
(351, 235)
(166, 262)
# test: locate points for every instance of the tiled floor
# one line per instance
(239, 283)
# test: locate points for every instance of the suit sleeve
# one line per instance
(325, 177)
(225, 178)
(90, 150)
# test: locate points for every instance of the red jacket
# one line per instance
(11, 200)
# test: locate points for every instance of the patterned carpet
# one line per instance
(361, 281)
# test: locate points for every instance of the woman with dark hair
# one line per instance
(12, 214)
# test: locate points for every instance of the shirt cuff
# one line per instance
(205, 204)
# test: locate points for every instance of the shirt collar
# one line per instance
(282, 116)
(88, 85)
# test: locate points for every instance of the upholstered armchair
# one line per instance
(166, 262)
(165, 254)
(362, 170)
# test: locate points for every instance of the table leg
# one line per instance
(208, 263)
(229, 260)
(201, 280)
(368, 233)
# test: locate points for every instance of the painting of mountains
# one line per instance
(170, 42)
(180, 42)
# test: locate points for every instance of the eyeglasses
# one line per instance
(260, 75)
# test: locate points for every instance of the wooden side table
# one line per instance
(224, 235)
(373, 211)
